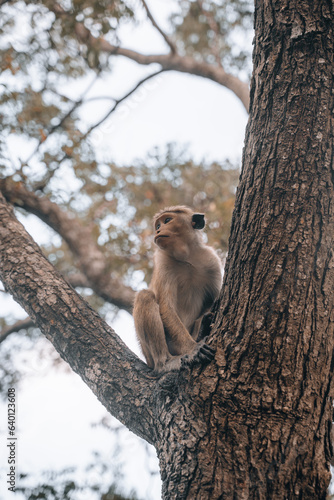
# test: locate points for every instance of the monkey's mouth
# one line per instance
(160, 236)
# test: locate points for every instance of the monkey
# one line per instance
(186, 281)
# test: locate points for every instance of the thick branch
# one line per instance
(119, 379)
(170, 62)
(75, 280)
(90, 259)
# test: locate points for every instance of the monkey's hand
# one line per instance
(206, 353)
(202, 353)
(205, 326)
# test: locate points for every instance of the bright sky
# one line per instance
(55, 409)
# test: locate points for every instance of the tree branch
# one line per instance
(75, 280)
(23, 324)
(119, 101)
(52, 129)
(90, 259)
(155, 24)
(170, 62)
(121, 381)
(78, 103)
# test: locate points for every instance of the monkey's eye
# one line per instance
(168, 219)
(158, 226)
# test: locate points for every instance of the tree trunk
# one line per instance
(256, 422)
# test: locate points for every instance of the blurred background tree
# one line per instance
(56, 62)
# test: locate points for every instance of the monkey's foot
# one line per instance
(203, 353)
(173, 364)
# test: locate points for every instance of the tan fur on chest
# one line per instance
(190, 291)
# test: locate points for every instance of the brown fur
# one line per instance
(186, 281)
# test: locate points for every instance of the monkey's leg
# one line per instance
(150, 330)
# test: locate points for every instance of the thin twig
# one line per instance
(100, 98)
(41, 184)
(63, 119)
(19, 325)
(155, 24)
(119, 101)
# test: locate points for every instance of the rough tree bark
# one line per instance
(256, 423)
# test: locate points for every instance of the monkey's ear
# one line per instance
(198, 221)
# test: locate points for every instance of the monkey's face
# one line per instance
(175, 232)
(166, 230)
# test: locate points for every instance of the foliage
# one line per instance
(37, 110)
(63, 486)
(42, 55)
(215, 31)
(122, 200)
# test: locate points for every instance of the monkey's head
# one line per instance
(176, 230)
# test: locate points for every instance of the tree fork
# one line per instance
(257, 423)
